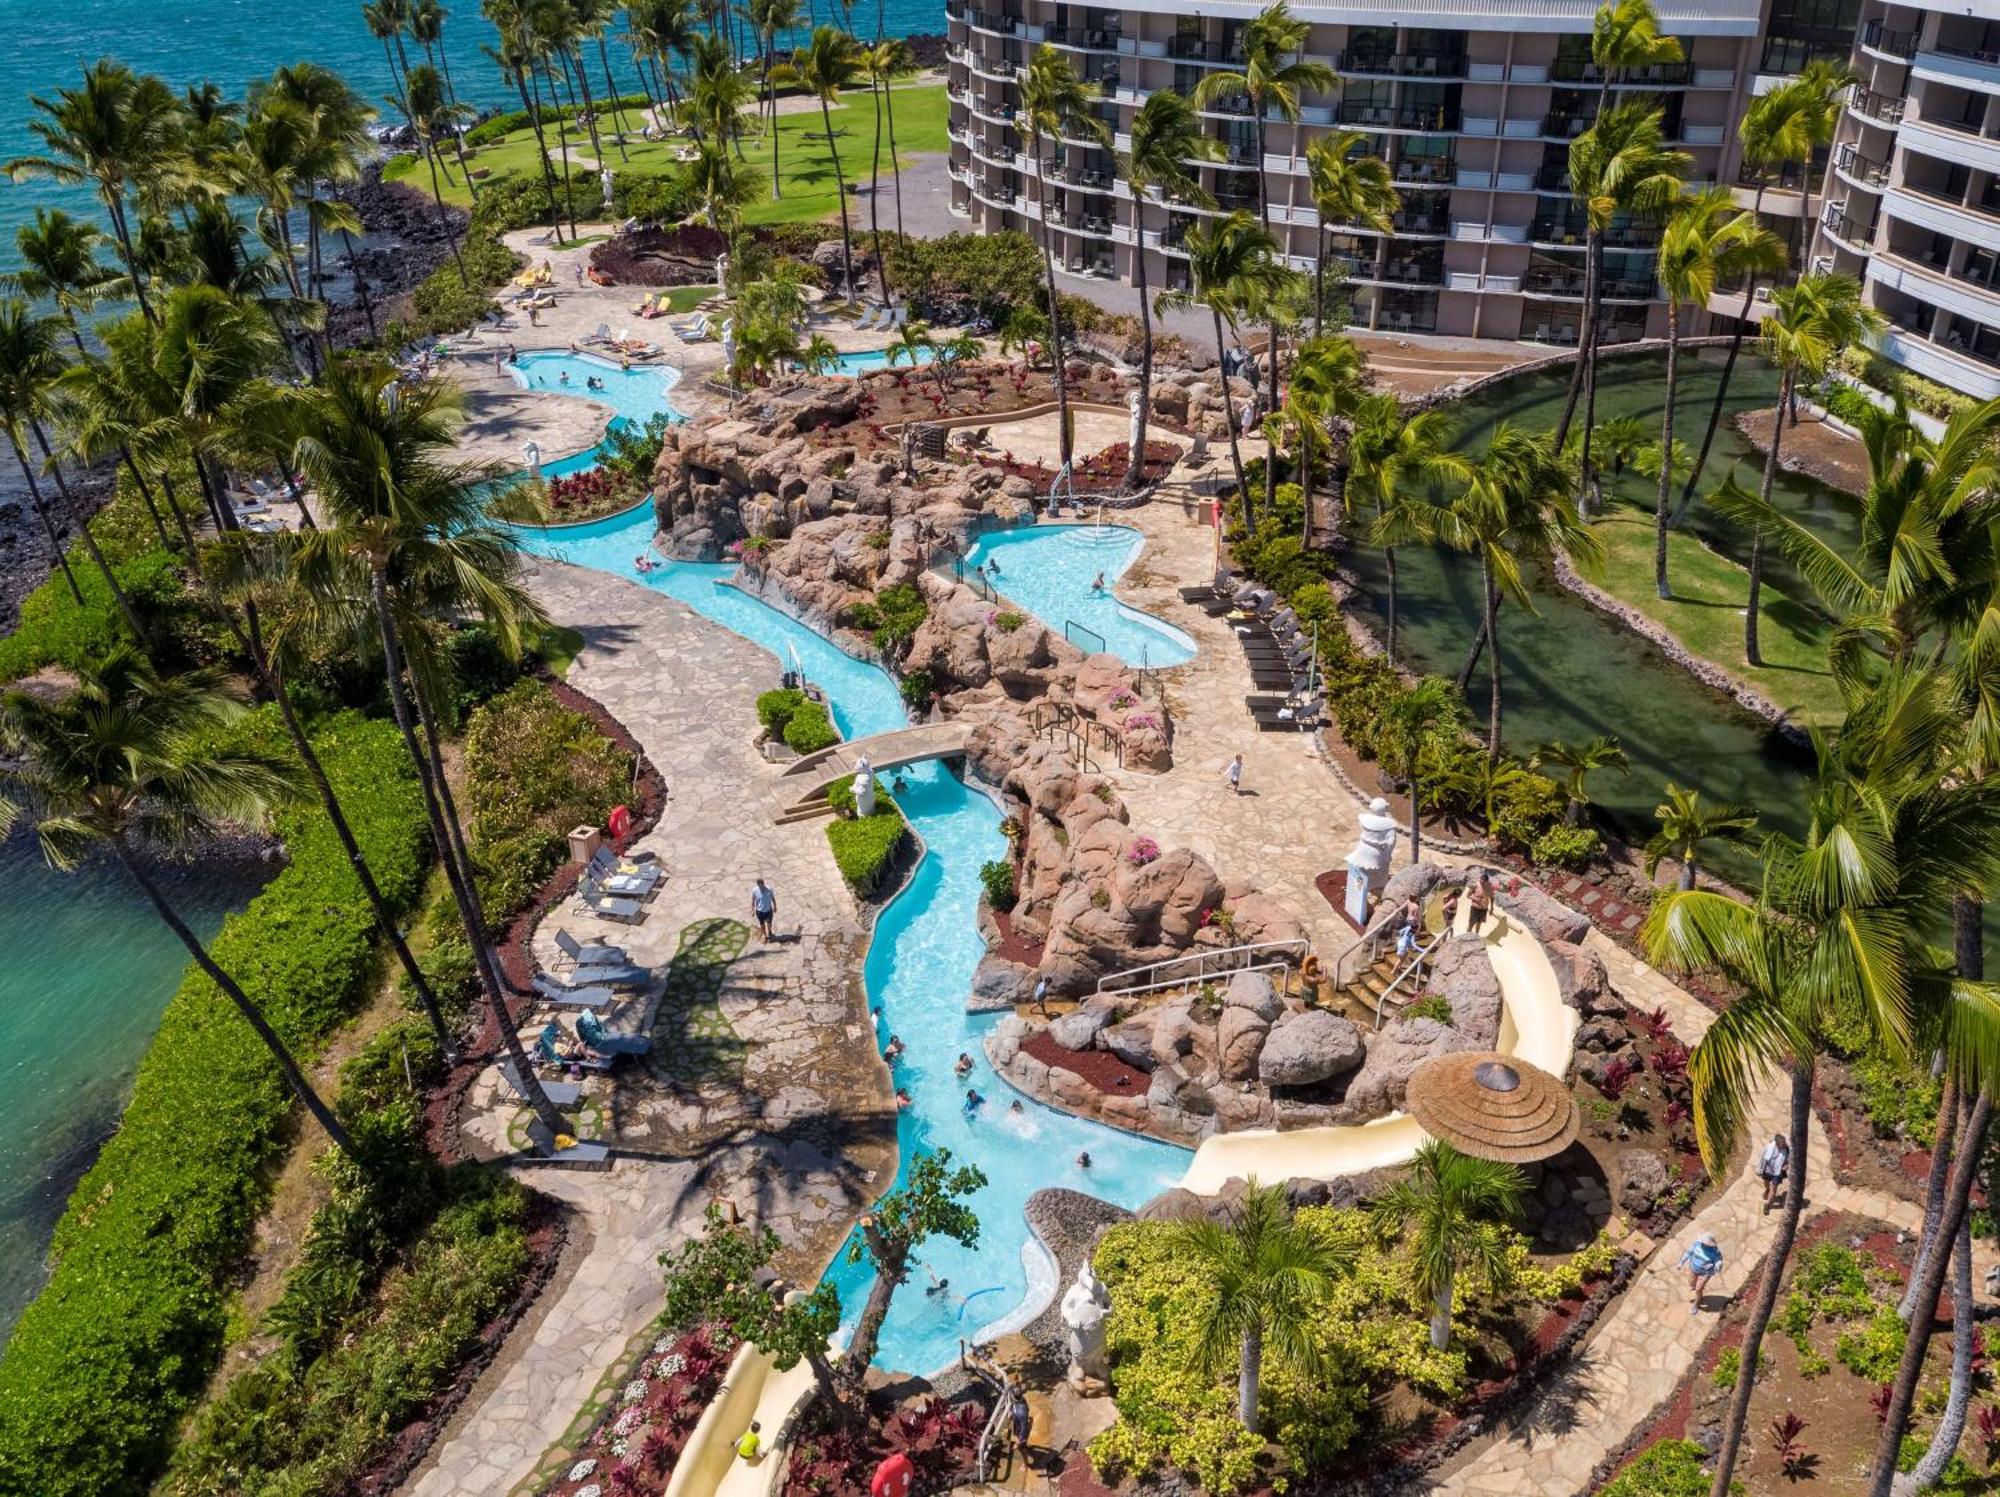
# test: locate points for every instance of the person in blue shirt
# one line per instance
(1702, 1260)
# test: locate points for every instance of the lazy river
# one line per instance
(919, 967)
(635, 394)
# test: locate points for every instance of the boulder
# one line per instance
(1580, 975)
(1256, 992)
(1131, 1040)
(998, 984)
(1072, 1090)
(1308, 1047)
(1545, 919)
(1004, 1043)
(1393, 1054)
(1030, 1074)
(1174, 1205)
(1240, 1038)
(1600, 1035)
(1078, 1031)
(1463, 973)
(1643, 1179)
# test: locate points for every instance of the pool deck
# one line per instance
(809, 1135)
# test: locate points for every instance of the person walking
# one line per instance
(1773, 1166)
(1703, 1261)
(764, 905)
(1480, 896)
(1233, 775)
(1042, 996)
(1022, 1420)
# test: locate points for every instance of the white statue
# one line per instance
(604, 181)
(864, 787)
(728, 343)
(532, 451)
(1137, 407)
(1084, 1306)
(1368, 860)
(722, 271)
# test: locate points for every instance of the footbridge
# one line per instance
(817, 773)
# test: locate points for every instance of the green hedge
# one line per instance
(863, 846)
(445, 303)
(104, 1364)
(775, 708)
(1672, 1468)
(810, 729)
(503, 125)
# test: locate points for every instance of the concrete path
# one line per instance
(766, 1092)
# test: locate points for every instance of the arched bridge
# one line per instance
(819, 772)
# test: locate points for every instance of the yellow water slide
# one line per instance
(1535, 1025)
(754, 1391)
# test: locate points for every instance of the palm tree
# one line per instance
(884, 61)
(716, 192)
(1349, 187)
(516, 58)
(1811, 321)
(1411, 721)
(1267, 83)
(127, 761)
(1577, 763)
(1513, 510)
(893, 59)
(1166, 135)
(338, 146)
(1270, 1272)
(1686, 822)
(1329, 378)
(59, 265)
(408, 538)
(1230, 267)
(1620, 166)
(768, 18)
(1707, 239)
(1395, 461)
(384, 20)
(1055, 104)
(1450, 1199)
(115, 132)
(1777, 127)
(1626, 34)
(1824, 87)
(828, 63)
(1833, 936)
(434, 117)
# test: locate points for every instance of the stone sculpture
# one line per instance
(1368, 860)
(1084, 1307)
(532, 451)
(864, 787)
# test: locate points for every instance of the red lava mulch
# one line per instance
(1103, 471)
(1014, 946)
(1099, 1068)
(1333, 885)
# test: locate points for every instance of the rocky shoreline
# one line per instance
(404, 240)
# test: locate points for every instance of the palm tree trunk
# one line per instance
(1135, 471)
(562, 143)
(1493, 666)
(1767, 1287)
(1958, 1399)
(396, 82)
(450, 234)
(1934, 1187)
(252, 1014)
(146, 498)
(48, 525)
(840, 190)
(1319, 279)
(890, 1263)
(1389, 565)
(174, 507)
(1229, 419)
(82, 525)
(1666, 451)
(1441, 1314)
(1728, 369)
(360, 283)
(433, 739)
(1903, 1392)
(611, 98)
(1687, 873)
(1249, 1374)
(1055, 321)
(573, 59)
(1416, 816)
(521, 79)
(895, 162)
(457, 876)
(1750, 651)
(1594, 291)
(874, 196)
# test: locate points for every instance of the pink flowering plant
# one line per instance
(1142, 852)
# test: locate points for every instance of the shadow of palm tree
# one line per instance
(693, 1041)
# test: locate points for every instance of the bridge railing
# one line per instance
(1195, 967)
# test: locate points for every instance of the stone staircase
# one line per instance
(1361, 999)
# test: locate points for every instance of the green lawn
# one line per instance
(1706, 612)
(805, 166)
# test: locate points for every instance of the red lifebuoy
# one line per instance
(620, 824)
(893, 1478)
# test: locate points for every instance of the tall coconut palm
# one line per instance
(717, 192)
(434, 118)
(384, 20)
(407, 538)
(1686, 822)
(114, 132)
(1824, 86)
(516, 59)
(1777, 128)
(1707, 239)
(1412, 721)
(59, 265)
(1055, 104)
(209, 356)
(1574, 764)
(1329, 379)
(894, 59)
(770, 19)
(886, 61)
(1270, 83)
(128, 761)
(1514, 513)
(1620, 166)
(1448, 1201)
(338, 147)
(1166, 135)
(1270, 1272)
(1396, 461)
(1835, 935)
(1811, 321)
(1626, 34)
(1350, 186)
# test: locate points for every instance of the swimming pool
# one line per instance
(878, 358)
(1049, 571)
(635, 395)
(919, 967)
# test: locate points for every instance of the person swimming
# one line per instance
(973, 1102)
(643, 563)
(1083, 1160)
(563, 378)
(895, 1049)
(1014, 1108)
(963, 1068)
(1097, 583)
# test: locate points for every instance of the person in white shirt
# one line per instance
(1773, 1166)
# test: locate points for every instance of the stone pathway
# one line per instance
(765, 1090)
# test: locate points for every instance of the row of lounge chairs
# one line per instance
(1274, 647)
(882, 319)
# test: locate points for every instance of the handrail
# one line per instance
(1296, 944)
(1382, 998)
(997, 1421)
(1072, 624)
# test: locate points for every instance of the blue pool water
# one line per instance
(918, 971)
(636, 395)
(1048, 570)
(878, 358)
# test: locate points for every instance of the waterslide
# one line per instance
(753, 1390)
(1535, 1025)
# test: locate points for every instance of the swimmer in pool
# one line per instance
(1083, 1160)
(964, 1067)
(1097, 583)
(895, 1048)
(563, 378)
(902, 1099)
(973, 1102)
(1014, 1109)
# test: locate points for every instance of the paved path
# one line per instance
(768, 1091)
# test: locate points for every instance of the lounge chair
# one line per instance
(547, 1053)
(637, 878)
(569, 995)
(897, 318)
(1295, 719)
(562, 1093)
(602, 335)
(590, 1029)
(692, 332)
(587, 953)
(580, 1151)
(591, 900)
(870, 320)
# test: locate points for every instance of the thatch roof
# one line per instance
(1493, 1106)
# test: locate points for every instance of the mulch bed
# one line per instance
(1014, 946)
(1332, 886)
(1102, 472)
(1098, 1068)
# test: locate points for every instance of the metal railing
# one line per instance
(1882, 107)
(1402, 64)
(1415, 964)
(1059, 722)
(1256, 956)
(1071, 629)
(1879, 38)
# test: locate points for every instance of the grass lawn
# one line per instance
(1706, 613)
(805, 166)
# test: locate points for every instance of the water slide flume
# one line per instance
(1535, 1026)
(754, 1391)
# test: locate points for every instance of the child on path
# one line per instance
(1233, 775)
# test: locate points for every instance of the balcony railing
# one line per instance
(1877, 37)
(1427, 220)
(1850, 162)
(1984, 55)
(1565, 125)
(1402, 64)
(1095, 37)
(1986, 209)
(1553, 177)
(1562, 228)
(1442, 118)
(1431, 171)
(1092, 179)
(1583, 70)
(1552, 282)
(1882, 107)
(1407, 272)
(1200, 49)
(1845, 229)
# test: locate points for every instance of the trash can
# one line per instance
(583, 843)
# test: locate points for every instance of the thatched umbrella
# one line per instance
(1493, 1106)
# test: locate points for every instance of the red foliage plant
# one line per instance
(1655, 1024)
(1617, 1076)
(1670, 1061)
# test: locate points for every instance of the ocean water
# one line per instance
(233, 42)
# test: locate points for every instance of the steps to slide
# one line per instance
(754, 1390)
(1535, 1026)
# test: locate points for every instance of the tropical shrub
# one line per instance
(998, 878)
(775, 708)
(445, 303)
(863, 846)
(1430, 1006)
(104, 1364)
(1671, 1468)
(810, 729)
(984, 274)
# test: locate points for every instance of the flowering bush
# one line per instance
(1142, 852)
(1121, 699)
(591, 492)
(1141, 720)
(636, 1450)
